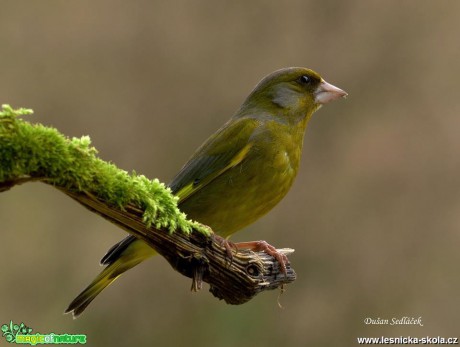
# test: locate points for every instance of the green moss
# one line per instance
(33, 150)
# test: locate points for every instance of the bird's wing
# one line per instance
(222, 151)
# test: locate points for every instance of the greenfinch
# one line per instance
(239, 173)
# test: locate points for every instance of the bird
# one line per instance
(239, 173)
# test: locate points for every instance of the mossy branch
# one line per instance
(145, 208)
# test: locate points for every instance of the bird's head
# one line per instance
(294, 92)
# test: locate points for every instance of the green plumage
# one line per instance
(241, 172)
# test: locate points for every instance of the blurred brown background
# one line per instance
(374, 213)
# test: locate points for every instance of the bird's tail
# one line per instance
(124, 260)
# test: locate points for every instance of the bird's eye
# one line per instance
(305, 79)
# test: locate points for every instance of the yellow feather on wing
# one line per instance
(194, 186)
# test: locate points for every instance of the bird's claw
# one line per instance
(263, 246)
(229, 246)
(256, 246)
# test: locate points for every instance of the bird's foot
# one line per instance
(229, 246)
(255, 246)
(263, 246)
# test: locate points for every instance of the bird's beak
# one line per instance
(327, 92)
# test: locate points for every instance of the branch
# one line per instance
(144, 208)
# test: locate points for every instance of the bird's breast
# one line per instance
(248, 190)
